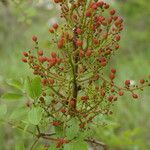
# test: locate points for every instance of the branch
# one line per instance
(93, 141)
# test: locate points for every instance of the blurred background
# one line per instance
(20, 19)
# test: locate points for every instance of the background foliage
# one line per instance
(129, 127)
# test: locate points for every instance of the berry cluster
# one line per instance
(75, 72)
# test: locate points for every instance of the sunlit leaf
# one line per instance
(35, 115)
(12, 96)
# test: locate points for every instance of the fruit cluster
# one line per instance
(74, 72)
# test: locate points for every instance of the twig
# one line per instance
(93, 141)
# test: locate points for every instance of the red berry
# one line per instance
(24, 60)
(88, 14)
(127, 82)
(72, 103)
(106, 6)
(95, 41)
(51, 30)
(63, 110)
(40, 53)
(142, 81)
(121, 93)
(56, 123)
(55, 26)
(135, 96)
(79, 43)
(34, 38)
(113, 70)
(117, 37)
(25, 54)
(112, 76)
(81, 53)
(88, 53)
(112, 12)
(53, 54)
(78, 30)
(110, 98)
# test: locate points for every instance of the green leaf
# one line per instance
(53, 147)
(79, 145)
(34, 87)
(12, 96)
(19, 146)
(15, 83)
(73, 128)
(35, 115)
(3, 110)
(18, 114)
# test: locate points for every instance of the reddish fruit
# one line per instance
(84, 98)
(106, 6)
(79, 43)
(78, 30)
(63, 110)
(127, 82)
(117, 37)
(24, 60)
(121, 93)
(51, 30)
(53, 54)
(40, 53)
(113, 70)
(42, 59)
(142, 81)
(135, 96)
(88, 14)
(34, 38)
(112, 12)
(56, 123)
(72, 103)
(112, 76)
(81, 53)
(55, 26)
(95, 41)
(25, 54)
(110, 98)
(88, 53)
